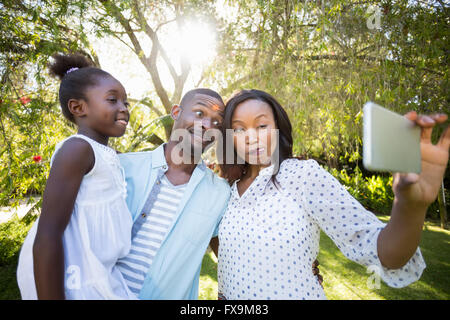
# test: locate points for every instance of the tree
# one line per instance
(141, 22)
(324, 59)
(29, 117)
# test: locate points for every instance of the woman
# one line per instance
(269, 234)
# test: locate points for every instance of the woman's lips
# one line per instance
(257, 152)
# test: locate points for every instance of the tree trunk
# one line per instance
(442, 206)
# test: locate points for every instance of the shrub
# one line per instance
(12, 235)
(373, 192)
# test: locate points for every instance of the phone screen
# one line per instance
(391, 142)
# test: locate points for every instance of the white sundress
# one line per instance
(97, 235)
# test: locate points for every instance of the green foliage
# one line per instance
(30, 120)
(323, 61)
(320, 59)
(30, 127)
(32, 31)
(143, 133)
(12, 235)
(373, 192)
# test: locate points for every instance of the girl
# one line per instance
(269, 234)
(85, 226)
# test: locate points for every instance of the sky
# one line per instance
(198, 41)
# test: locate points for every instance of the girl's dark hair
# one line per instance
(234, 171)
(82, 74)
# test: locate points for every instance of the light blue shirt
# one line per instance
(175, 270)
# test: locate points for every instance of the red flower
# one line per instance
(25, 100)
(37, 159)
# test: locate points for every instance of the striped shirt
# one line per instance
(148, 239)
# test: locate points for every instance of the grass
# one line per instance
(208, 277)
(346, 280)
(343, 279)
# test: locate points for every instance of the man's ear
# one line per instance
(175, 112)
(77, 107)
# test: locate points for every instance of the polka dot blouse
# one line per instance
(269, 237)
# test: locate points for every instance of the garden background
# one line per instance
(321, 59)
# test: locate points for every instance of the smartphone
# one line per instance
(391, 143)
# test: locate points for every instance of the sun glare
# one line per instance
(197, 42)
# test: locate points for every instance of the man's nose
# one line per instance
(252, 136)
(207, 123)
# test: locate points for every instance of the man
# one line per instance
(176, 205)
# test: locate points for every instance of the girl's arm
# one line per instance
(71, 163)
(398, 241)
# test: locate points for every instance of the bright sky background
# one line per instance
(198, 41)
